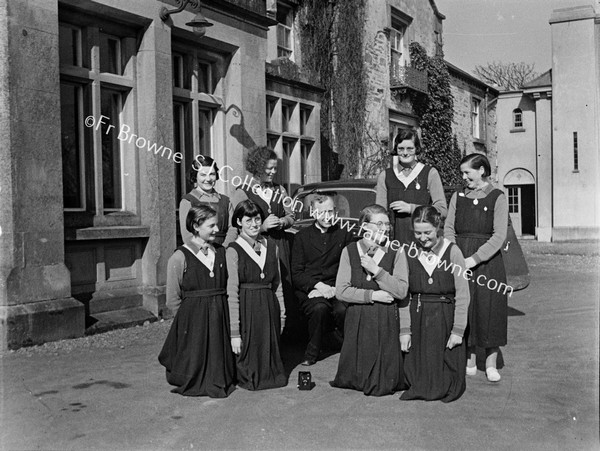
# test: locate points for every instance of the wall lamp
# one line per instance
(198, 23)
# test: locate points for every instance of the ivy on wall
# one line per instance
(331, 45)
(436, 111)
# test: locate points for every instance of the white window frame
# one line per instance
(517, 118)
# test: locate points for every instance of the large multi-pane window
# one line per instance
(97, 74)
(197, 97)
(292, 130)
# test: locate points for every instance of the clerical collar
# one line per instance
(320, 228)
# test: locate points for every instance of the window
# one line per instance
(398, 42)
(96, 78)
(575, 153)
(475, 118)
(305, 149)
(196, 100)
(304, 119)
(285, 21)
(513, 199)
(286, 116)
(271, 105)
(286, 156)
(517, 118)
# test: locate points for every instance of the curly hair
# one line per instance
(257, 159)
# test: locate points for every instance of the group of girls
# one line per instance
(411, 325)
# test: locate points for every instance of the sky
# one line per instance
(480, 31)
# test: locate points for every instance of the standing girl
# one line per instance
(202, 176)
(408, 184)
(372, 279)
(477, 222)
(270, 198)
(436, 355)
(196, 352)
(256, 307)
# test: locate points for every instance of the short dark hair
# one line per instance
(246, 208)
(428, 214)
(404, 134)
(476, 161)
(197, 216)
(197, 163)
(257, 159)
(369, 211)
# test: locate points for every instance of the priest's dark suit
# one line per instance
(315, 258)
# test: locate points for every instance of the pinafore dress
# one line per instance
(370, 359)
(197, 351)
(415, 193)
(488, 310)
(432, 370)
(259, 364)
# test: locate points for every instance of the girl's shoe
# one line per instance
(471, 371)
(492, 374)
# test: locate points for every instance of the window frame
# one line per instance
(87, 74)
(476, 123)
(194, 101)
(517, 118)
(285, 49)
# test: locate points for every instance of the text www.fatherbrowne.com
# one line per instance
(413, 251)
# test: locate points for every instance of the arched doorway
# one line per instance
(520, 191)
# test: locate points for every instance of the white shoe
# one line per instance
(471, 371)
(492, 374)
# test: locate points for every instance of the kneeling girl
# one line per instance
(436, 355)
(256, 306)
(196, 353)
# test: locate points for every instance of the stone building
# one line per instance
(549, 136)
(474, 122)
(104, 105)
(390, 26)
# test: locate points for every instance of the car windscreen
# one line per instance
(348, 201)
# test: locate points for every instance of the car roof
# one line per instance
(338, 184)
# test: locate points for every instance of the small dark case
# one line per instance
(305, 380)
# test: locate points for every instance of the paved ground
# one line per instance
(108, 391)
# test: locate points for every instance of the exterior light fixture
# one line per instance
(198, 23)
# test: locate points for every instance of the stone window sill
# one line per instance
(517, 130)
(107, 233)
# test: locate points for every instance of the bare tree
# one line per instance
(507, 76)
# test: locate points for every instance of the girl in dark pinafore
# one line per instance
(477, 222)
(197, 354)
(436, 355)
(256, 305)
(408, 184)
(372, 279)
